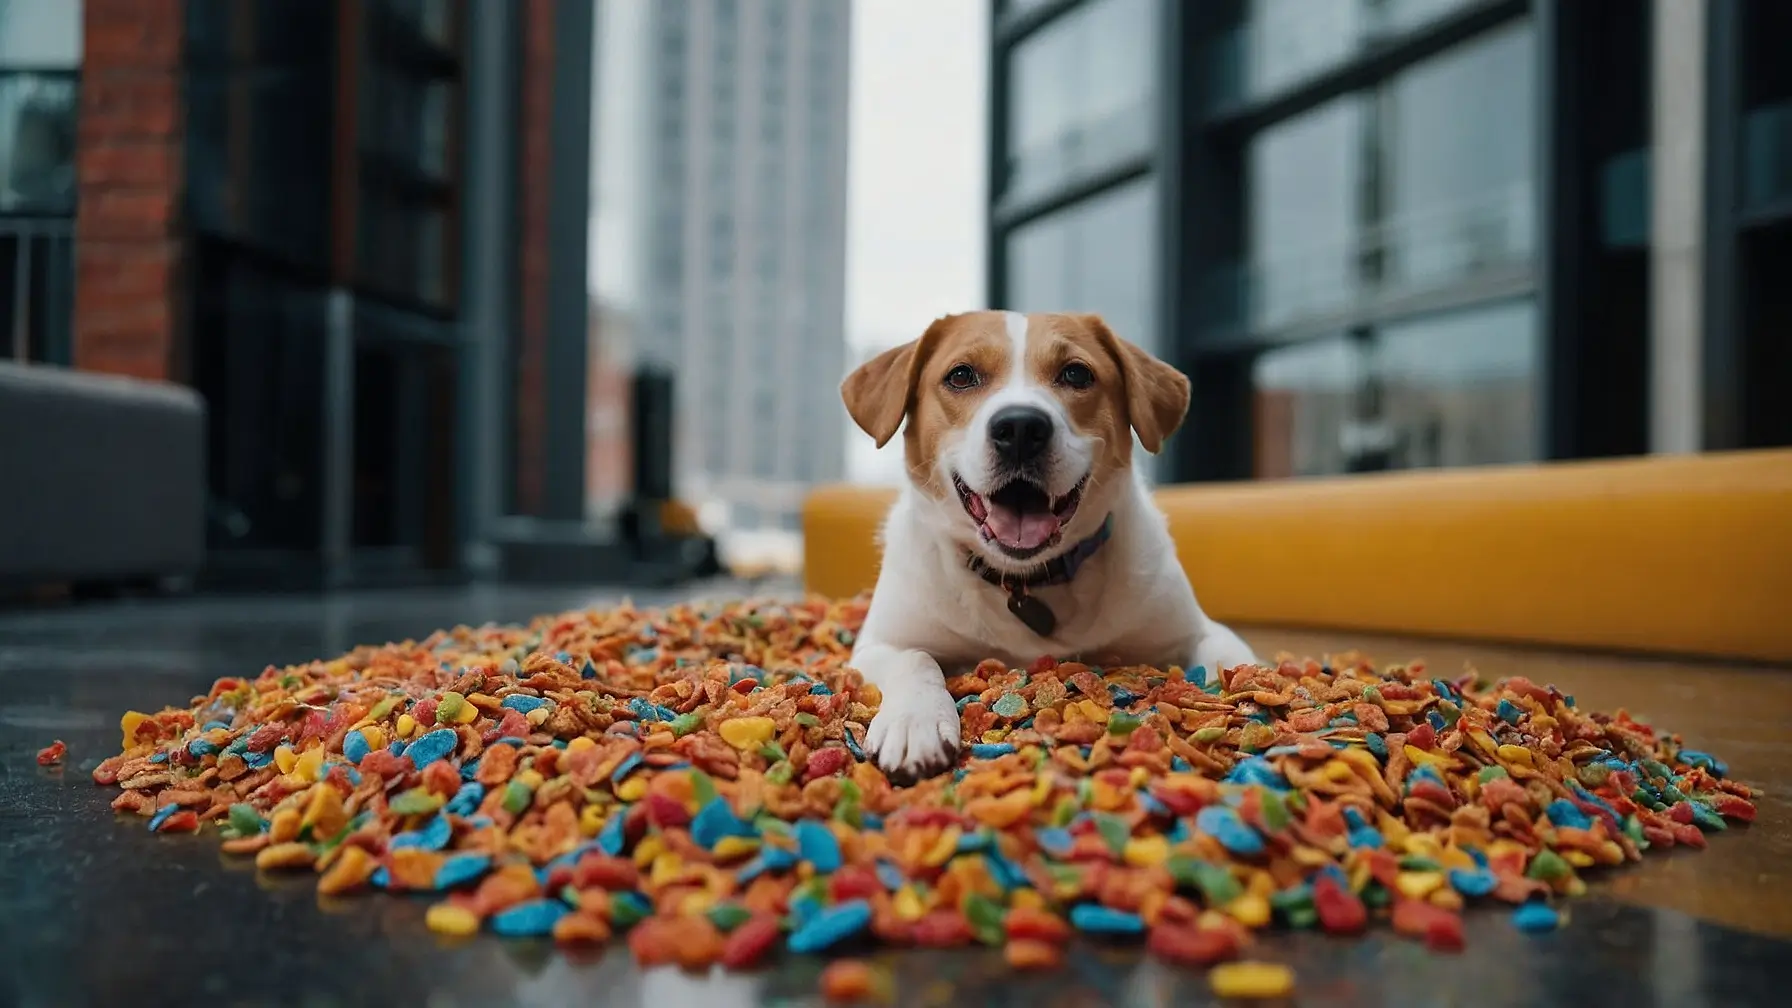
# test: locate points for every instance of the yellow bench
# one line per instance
(1676, 555)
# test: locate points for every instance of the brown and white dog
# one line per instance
(1023, 529)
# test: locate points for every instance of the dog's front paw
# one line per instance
(915, 733)
(1222, 649)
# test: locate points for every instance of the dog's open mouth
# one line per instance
(1020, 517)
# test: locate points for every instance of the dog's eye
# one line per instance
(1077, 376)
(961, 377)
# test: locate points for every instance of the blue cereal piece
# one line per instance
(381, 878)
(1180, 765)
(817, 845)
(1717, 767)
(614, 836)
(523, 704)
(803, 908)
(968, 842)
(1257, 770)
(432, 746)
(461, 869)
(1010, 705)
(1473, 883)
(1056, 842)
(355, 747)
(1224, 825)
(853, 746)
(1097, 919)
(1377, 745)
(253, 760)
(990, 750)
(588, 670)
(466, 801)
(1509, 712)
(200, 747)
(716, 820)
(1535, 917)
(1563, 812)
(821, 689)
(643, 709)
(889, 875)
(161, 816)
(162, 757)
(626, 767)
(529, 920)
(831, 926)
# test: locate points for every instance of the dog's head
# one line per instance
(1020, 427)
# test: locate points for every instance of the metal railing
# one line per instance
(37, 288)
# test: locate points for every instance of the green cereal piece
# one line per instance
(1115, 831)
(383, 708)
(1547, 866)
(728, 916)
(985, 916)
(684, 724)
(1217, 885)
(1275, 811)
(245, 820)
(807, 720)
(1122, 724)
(517, 796)
(1492, 772)
(702, 787)
(774, 751)
(1011, 705)
(416, 801)
(1209, 734)
(780, 772)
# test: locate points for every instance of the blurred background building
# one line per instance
(1395, 233)
(461, 281)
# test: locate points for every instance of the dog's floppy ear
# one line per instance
(1156, 393)
(882, 390)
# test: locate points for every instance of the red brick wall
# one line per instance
(127, 244)
(532, 253)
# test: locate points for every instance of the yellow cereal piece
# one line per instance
(538, 716)
(128, 725)
(285, 758)
(1515, 754)
(1042, 789)
(1419, 756)
(1251, 910)
(1338, 772)
(665, 868)
(291, 854)
(745, 733)
(733, 848)
(1577, 858)
(375, 736)
(908, 904)
(284, 826)
(448, 707)
(581, 744)
(648, 849)
(531, 778)
(591, 820)
(1027, 899)
(1251, 980)
(1093, 711)
(632, 790)
(1422, 845)
(1484, 742)
(1418, 884)
(448, 919)
(996, 734)
(696, 903)
(324, 813)
(943, 848)
(1447, 898)
(1455, 857)
(1140, 777)
(310, 766)
(1147, 851)
(407, 726)
(1211, 920)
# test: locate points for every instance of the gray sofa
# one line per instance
(102, 479)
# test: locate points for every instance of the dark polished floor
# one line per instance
(94, 910)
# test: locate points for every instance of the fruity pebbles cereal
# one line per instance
(692, 780)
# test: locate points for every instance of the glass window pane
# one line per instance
(1461, 388)
(1287, 40)
(1403, 15)
(1097, 256)
(1459, 139)
(1082, 93)
(1304, 397)
(42, 34)
(37, 143)
(1305, 179)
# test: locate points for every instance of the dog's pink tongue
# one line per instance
(1017, 530)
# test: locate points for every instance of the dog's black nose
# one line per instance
(1020, 433)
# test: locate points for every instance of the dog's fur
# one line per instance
(931, 615)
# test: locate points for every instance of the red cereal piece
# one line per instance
(1192, 945)
(943, 929)
(51, 755)
(184, 821)
(1033, 924)
(748, 943)
(1340, 911)
(826, 762)
(854, 882)
(612, 873)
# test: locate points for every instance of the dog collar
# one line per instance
(1058, 570)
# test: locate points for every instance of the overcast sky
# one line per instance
(915, 202)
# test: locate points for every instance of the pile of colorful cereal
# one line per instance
(693, 778)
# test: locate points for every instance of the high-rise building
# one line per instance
(743, 244)
(1395, 233)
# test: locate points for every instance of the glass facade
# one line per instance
(1083, 95)
(40, 57)
(1099, 255)
(1305, 181)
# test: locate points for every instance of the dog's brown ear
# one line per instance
(881, 391)
(1156, 393)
